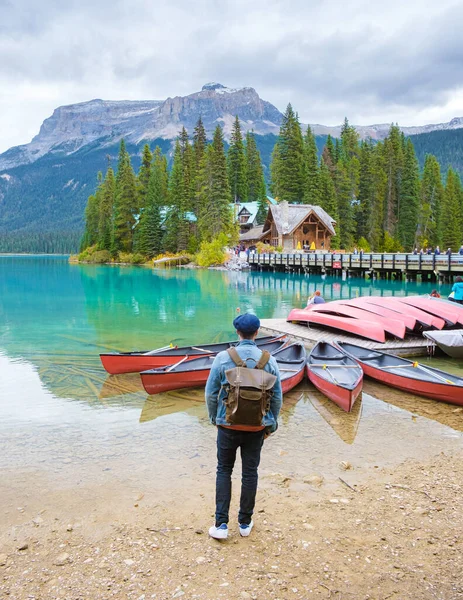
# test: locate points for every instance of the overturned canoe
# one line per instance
(423, 318)
(438, 309)
(394, 327)
(335, 374)
(450, 342)
(361, 302)
(407, 375)
(363, 328)
(189, 372)
(135, 362)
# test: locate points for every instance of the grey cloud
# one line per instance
(327, 60)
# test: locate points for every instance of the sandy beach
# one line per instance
(396, 533)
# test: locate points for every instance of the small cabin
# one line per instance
(294, 226)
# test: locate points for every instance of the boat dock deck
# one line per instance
(413, 346)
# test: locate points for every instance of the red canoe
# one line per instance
(438, 309)
(407, 375)
(189, 373)
(361, 302)
(421, 316)
(135, 362)
(291, 363)
(335, 374)
(364, 328)
(393, 326)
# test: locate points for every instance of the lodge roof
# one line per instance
(252, 208)
(253, 234)
(288, 217)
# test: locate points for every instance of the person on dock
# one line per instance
(461, 250)
(449, 252)
(230, 437)
(457, 290)
(315, 298)
(437, 251)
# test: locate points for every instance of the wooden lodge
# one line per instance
(294, 226)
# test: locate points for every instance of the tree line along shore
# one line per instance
(373, 190)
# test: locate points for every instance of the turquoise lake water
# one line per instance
(61, 413)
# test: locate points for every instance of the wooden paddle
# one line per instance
(177, 364)
(202, 349)
(159, 350)
(418, 366)
(338, 366)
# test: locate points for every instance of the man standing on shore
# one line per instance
(230, 437)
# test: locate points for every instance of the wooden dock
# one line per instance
(413, 346)
(385, 266)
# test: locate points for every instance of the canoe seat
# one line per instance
(324, 357)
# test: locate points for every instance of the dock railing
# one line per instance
(400, 262)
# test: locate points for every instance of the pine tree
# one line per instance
(328, 200)
(393, 162)
(236, 162)
(375, 227)
(150, 234)
(215, 213)
(199, 144)
(177, 224)
(432, 192)
(409, 199)
(452, 212)
(144, 175)
(288, 174)
(328, 155)
(125, 206)
(105, 225)
(275, 169)
(366, 190)
(90, 236)
(257, 191)
(312, 174)
(199, 149)
(343, 187)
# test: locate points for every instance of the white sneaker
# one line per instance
(219, 533)
(245, 530)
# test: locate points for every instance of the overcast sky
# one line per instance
(371, 61)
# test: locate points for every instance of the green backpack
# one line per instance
(249, 390)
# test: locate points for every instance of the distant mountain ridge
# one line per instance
(44, 185)
(75, 126)
(72, 127)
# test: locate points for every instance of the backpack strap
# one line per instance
(263, 360)
(236, 358)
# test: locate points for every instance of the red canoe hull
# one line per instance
(436, 391)
(288, 384)
(366, 329)
(116, 364)
(438, 309)
(407, 320)
(155, 383)
(393, 326)
(401, 307)
(343, 397)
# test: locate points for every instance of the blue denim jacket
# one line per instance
(215, 386)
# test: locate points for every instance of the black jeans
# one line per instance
(228, 441)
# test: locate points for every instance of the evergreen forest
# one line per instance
(375, 191)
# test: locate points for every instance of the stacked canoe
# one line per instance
(378, 318)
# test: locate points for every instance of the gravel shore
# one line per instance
(397, 534)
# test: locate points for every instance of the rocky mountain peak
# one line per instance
(212, 86)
